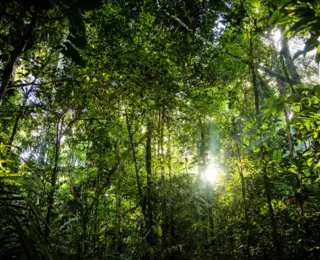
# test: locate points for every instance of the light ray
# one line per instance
(211, 173)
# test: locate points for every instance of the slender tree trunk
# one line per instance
(43, 146)
(231, 239)
(211, 238)
(245, 206)
(163, 177)
(133, 150)
(151, 235)
(84, 227)
(17, 120)
(288, 132)
(118, 208)
(9, 143)
(275, 235)
(202, 152)
(202, 167)
(136, 167)
(282, 91)
(95, 224)
(295, 78)
(255, 83)
(41, 158)
(53, 178)
(171, 228)
(15, 54)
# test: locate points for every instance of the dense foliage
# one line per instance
(159, 129)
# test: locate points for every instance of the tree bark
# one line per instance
(256, 83)
(245, 206)
(118, 244)
(53, 178)
(18, 117)
(295, 78)
(15, 54)
(151, 235)
(142, 201)
(162, 116)
(275, 235)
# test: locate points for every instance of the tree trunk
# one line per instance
(151, 235)
(282, 91)
(275, 235)
(245, 206)
(53, 178)
(41, 159)
(256, 83)
(118, 244)
(295, 78)
(142, 201)
(15, 54)
(163, 177)
(210, 240)
(16, 122)
(171, 224)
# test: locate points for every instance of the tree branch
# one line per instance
(221, 50)
(41, 84)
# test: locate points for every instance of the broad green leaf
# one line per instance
(310, 162)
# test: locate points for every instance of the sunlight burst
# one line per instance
(211, 174)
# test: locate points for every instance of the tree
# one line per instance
(158, 130)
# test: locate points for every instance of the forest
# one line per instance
(159, 129)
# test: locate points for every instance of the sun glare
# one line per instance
(211, 174)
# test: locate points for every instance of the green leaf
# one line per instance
(307, 125)
(255, 149)
(159, 231)
(8, 174)
(8, 180)
(317, 59)
(296, 107)
(307, 153)
(316, 90)
(151, 251)
(309, 162)
(3, 149)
